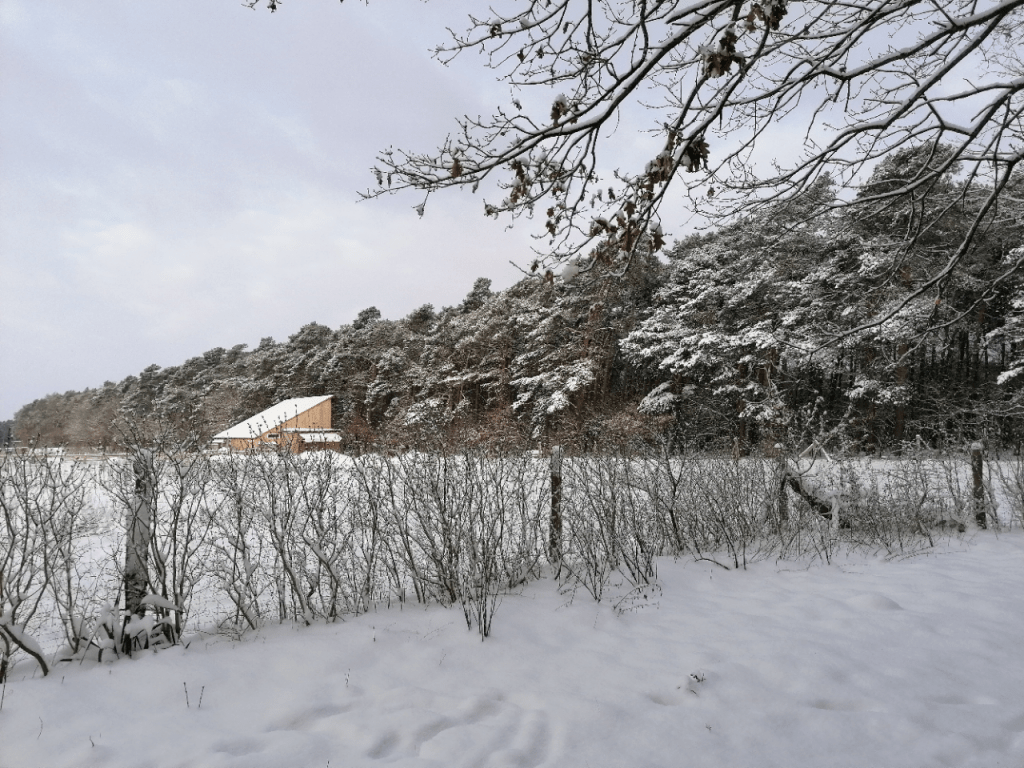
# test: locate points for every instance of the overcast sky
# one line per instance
(177, 176)
(182, 175)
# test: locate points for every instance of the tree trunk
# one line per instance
(902, 374)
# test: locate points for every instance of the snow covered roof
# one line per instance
(270, 418)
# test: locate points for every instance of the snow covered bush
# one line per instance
(239, 544)
(1010, 472)
(610, 525)
(242, 540)
(461, 528)
(894, 507)
(45, 523)
(179, 524)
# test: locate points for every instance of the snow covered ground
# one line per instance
(865, 662)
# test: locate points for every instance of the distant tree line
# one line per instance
(760, 332)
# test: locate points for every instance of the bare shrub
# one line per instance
(238, 541)
(467, 526)
(182, 532)
(611, 525)
(376, 503)
(1010, 472)
(730, 505)
(177, 482)
(45, 523)
(590, 512)
(276, 536)
(458, 528)
(665, 479)
(895, 506)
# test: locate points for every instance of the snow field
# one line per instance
(864, 662)
(857, 646)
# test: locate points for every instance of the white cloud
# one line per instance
(12, 13)
(180, 176)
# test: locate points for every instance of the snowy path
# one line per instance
(864, 663)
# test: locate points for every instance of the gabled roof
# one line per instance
(274, 416)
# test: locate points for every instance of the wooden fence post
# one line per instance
(977, 472)
(783, 473)
(555, 529)
(140, 531)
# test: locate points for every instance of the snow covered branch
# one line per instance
(860, 82)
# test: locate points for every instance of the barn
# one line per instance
(298, 424)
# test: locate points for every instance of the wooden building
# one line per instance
(299, 424)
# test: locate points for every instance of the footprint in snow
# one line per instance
(307, 718)
(873, 602)
(847, 705)
(384, 746)
(239, 747)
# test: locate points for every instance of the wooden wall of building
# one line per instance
(317, 417)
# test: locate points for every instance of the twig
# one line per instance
(702, 558)
(187, 705)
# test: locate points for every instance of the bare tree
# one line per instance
(859, 81)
